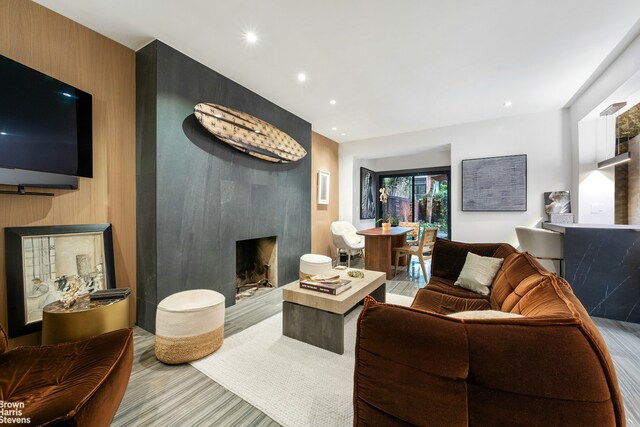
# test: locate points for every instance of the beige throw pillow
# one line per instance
(484, 314)
(478, 273)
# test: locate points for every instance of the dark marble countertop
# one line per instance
(562, 227)
(602, 265)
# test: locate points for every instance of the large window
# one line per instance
(417, 196)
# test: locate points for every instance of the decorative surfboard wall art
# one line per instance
(249, 134)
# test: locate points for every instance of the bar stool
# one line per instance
(542, 244)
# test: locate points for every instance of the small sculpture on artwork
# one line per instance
(69, 297)
(557, 205)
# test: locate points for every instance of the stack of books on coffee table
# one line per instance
(328, 284)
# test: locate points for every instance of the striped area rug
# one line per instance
(294, 383)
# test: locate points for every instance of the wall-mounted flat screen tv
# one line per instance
(45, 124)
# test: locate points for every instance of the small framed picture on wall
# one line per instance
(368, 193)
(323, 188)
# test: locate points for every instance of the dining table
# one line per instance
(378, 247)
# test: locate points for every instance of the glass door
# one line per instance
(420, 196)
(399, 200)
(431, 195)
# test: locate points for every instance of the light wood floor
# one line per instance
(163, 395)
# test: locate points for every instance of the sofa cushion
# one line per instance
(484, 314)
(555, 333)
(445, 286)
(478, 273)
(443, 303)
(76, 383)
(397, 365)
(519, 273)
(544, 300)
(449, 257)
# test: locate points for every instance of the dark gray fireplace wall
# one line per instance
(197, 196)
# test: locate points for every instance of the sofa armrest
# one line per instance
(78, 383)
(4, 343)
(421, 368)
(539, 371)
(403, 355)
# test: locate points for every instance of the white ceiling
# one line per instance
(392, 66)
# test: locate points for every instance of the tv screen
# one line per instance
(45, 124)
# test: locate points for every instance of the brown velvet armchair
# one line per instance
(79, 383)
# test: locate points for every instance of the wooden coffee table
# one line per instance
(317, 318)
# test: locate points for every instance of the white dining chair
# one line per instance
(346, 239)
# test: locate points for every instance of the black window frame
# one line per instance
(442, 170)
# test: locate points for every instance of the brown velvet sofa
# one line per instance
(78, 383)
(417, 366)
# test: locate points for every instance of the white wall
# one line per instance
(617, 81)
(595, 204)
(542, 136)
(351, 161)
(596, 142)
(426, 159)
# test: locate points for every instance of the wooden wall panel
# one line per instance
(324, 157)
(61, 48)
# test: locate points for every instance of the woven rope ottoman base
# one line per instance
(189, 326)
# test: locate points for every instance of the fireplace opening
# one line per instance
(256, 266)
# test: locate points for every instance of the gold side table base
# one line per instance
(74, 324)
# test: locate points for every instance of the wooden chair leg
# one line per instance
(395, 267)
(424, 269)
(349, 258)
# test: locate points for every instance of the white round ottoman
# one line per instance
(189, 325)
(312, 264)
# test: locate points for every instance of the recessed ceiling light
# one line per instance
(251, 37)
(508, 104)
(4, 133)
(343, 134)
(334, 128)
(302, 77)
(332, 102)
